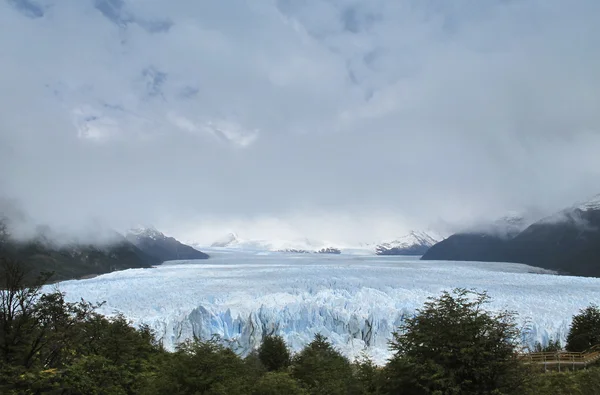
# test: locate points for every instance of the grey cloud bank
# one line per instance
(342, 120)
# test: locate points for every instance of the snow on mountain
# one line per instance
(505, 227)
(355, 301)
(590, 204)
(414, 243)
(146, 231)
(575, 212)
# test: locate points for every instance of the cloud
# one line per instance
(320, 115)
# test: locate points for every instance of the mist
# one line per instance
(337, 120)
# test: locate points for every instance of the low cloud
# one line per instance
(336, 119)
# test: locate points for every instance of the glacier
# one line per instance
(356, 301)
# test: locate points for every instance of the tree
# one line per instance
(3, 232)
(453, 346)
(202, 367)
(552, 346)
(367, 375)
(585, 330)
(49, 345)
(277, 383)
(322, 369)
(273, 353)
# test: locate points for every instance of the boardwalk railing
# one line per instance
(563, 358)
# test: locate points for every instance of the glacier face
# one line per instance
(357, 301)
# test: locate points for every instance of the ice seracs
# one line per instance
(357, 302)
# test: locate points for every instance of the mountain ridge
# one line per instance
(155, 243)
(567, 241)
(72, 258)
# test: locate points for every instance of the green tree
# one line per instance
(322, 369)
(552, 346)
(273, 353)
(579, 382)
(453, 346)
(367, 375)
(48, 345)
(278, 383)
(202, 367)
(585, 330)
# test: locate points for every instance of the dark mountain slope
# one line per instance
(568, 242)
(156, 244)
(570, 246)
(469, 247)
(76, 261)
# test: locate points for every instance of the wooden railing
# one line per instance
(563, 358)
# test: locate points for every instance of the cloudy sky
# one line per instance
(334, 119)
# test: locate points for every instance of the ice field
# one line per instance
(357, 301)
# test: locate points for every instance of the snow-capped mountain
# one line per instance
(414, 243)
(164, 248)
(576, 212)
(591, 204)
(146, 232)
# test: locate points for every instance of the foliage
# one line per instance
(552, 346)
(48, 345)
(202, 367)
(585, 330)
(322, 369)
(454, 346)
(451, 346)
(580, 382)
(273, 353)
(367, 375)
(277, 383)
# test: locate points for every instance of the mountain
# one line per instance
(75, 260)
(161, 247)
(48, 250)
(414, 243)
(568, 242)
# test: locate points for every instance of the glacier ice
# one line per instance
(357, 301)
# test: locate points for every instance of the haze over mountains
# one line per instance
(69, 259)
(568, 242)
(341, 121)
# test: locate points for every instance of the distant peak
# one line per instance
(413, 237)
(591, 204)
(146, 231)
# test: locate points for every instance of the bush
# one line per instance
(278, 383)
(273, 353)
(552, 346)
(585, 330)
(454, 346)
(322, 369)
(202, 367)
(581, 382)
